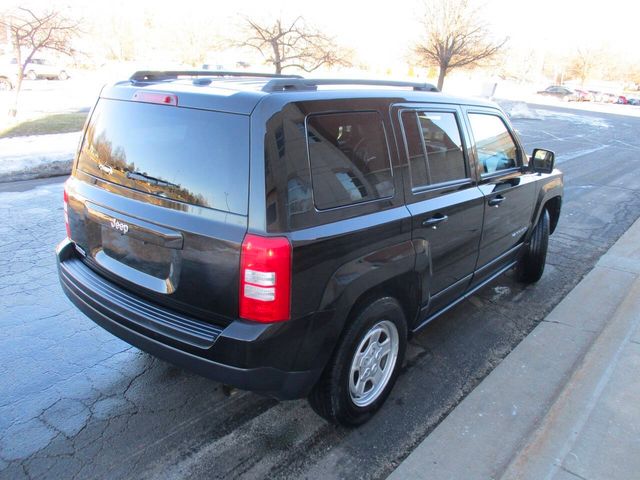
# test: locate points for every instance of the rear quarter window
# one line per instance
(349, 159)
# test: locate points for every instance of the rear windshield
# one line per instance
(194, 156)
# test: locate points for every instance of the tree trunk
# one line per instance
(13, 110)
(277, 59)
(441, 75)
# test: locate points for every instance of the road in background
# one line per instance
(76, 402)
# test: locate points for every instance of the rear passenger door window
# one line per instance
(434, 148)
(349, 159)
(495, 147)
(446, 206)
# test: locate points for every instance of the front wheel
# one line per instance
(63, 75)
(364, 367)
(531, 265)
(31, 75)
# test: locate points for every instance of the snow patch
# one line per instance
(522, 111)
(573, 118)
(500, 292)
(37, 155)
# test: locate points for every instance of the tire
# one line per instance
(359, 355)
(5, 85)
(531, 265)
(63, 75)
(31, 75)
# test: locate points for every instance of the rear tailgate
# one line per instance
(158, 203)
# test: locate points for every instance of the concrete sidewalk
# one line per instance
(565, 403)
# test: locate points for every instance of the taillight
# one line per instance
(65, 197)
(265, 279)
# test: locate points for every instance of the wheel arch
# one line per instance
(4, 78)
(553, 206)
(549, 198)
(403, 288)
(389, 272)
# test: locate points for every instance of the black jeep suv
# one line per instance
(286, 235)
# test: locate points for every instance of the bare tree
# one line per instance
(583, 63)
(293, 45)
(148, 33)
(195, 38)
(455, 37)
(117, 36)
(32, 32)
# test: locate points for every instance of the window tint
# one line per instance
(444, 146)
(496, 149)
(415, 150)
(434, 147)
(299, 196)
(194, 156)
(349, 159)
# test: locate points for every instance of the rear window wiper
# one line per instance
(150, 180)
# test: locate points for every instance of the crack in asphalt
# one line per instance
(573, 474)
(569, 325)
(88, 405)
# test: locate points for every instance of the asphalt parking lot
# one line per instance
(76, 402)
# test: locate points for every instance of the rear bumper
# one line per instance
(265, 358)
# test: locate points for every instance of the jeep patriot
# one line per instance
(287, 235)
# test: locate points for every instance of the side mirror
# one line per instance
(542, 161)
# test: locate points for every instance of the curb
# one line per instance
(492, 431)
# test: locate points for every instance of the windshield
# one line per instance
(193, 156)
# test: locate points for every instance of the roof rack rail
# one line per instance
(289, 84)
(159, 75)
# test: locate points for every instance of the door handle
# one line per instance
(496, 201)
(434, 221)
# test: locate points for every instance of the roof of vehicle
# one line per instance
(241, 92)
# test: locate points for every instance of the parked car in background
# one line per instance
(584, 95)
(634, 101)
(622, 100)
(7, 77)
(42, 68)
(597, 95)
(609, 97)
(238, 65)
(561, 93)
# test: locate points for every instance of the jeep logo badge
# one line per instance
(118, 225)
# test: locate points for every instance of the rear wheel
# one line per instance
(31, 75)
(531, 265)
(5, 84)
(365, 365)
(63, 75)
